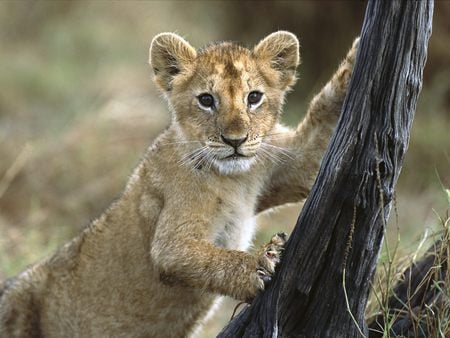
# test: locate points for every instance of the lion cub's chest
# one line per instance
(235, 223)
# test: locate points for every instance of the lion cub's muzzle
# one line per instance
(234, 142)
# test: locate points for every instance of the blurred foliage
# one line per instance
(77, 106)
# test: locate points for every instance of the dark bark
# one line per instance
(341, 224)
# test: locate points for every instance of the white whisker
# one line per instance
(205, 158)
(283, 151)
(275, 154)
(260, 159)
(210, 161)
(270, 156)
(192, 156)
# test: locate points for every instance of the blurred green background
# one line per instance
(78, 108)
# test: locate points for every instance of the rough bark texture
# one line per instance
(341, 224)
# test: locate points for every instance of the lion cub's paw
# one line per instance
(342, 76)
(266, 261)
(351, 55)
(270, 256)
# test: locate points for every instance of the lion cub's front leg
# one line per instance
(199, 264)
(292, 180)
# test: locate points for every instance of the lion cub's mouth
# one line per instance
(235, 156)
(234, 163)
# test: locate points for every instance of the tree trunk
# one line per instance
(322, 284)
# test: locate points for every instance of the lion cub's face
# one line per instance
(225, 98)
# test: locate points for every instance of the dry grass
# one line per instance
(414, 299)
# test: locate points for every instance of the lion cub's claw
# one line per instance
(270, 256)
(264, 276)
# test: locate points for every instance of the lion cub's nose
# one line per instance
(234, 142)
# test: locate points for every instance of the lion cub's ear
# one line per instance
(281, 50)
(170, 55)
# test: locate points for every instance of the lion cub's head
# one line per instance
(225, 98)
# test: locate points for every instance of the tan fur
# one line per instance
(155, 261)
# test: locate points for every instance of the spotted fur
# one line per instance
(153, 264)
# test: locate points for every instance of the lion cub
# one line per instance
(155, 261)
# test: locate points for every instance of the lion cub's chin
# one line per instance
(235, 165)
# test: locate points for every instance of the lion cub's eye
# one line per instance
(206, 100)
(254, 99)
